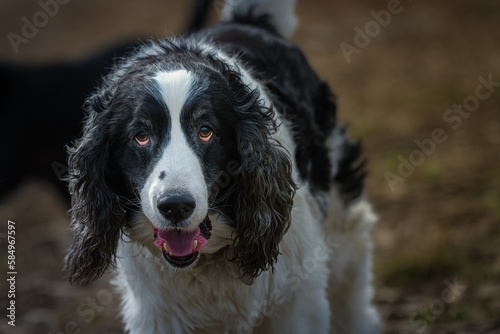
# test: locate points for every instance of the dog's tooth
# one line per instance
(165, 246)
(195, 244)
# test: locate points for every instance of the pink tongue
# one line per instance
(180, 243)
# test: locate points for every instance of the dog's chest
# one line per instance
(208, 298)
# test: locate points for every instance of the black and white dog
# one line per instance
(213, 174)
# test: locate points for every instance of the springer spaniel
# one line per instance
(213, 175)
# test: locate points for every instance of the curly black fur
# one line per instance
(97, 216)
(263, 189)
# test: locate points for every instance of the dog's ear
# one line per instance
(96, 213)
(262, 192)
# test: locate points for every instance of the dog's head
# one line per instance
(175, 136)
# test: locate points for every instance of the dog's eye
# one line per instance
(142, 138)
(206, 133)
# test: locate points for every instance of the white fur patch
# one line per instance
(180, 166)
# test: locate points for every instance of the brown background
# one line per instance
(440, 224)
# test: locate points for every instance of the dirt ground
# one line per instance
(437, 258)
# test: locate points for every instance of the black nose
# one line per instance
(176, 208)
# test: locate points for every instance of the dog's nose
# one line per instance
(176, 208)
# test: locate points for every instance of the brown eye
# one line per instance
(142, 138)
(206, 133)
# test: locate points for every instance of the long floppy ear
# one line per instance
(263, 190)
(97, 216)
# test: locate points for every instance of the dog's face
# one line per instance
(178, 144)
(174, 147)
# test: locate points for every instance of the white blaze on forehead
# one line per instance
(179, 164)
(174, 89)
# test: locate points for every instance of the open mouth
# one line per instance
(181, 248)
